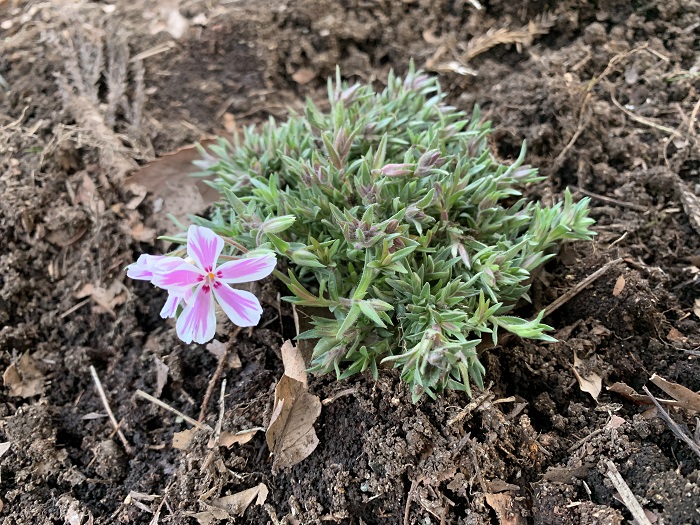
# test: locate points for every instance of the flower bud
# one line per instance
(397, 170)
(278, 224)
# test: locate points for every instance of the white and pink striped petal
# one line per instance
(246, 270)
(197, 322)
(242, 307)
(204, 246)
(178, 277)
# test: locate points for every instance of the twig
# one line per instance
(103, 397)
(693, 116)
(191, 421)
(222, 407)
(628, 497)
(74, 308)
(217, 374)
(609, 200)
(582, 123)
(645, 121)
(571, 293)
(672, 424)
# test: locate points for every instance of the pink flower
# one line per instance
(203, 284)
(144, 268)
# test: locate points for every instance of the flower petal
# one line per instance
(242, 307)
(177, 277)
(142, 269)
(246, 270)
(170, 307)
(204, 246)
(197, 322)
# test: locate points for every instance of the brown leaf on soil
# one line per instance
(236, 504)
(675, 336)
(293, 363)
(142, 234)
(4, 447)
(290, 435)
(696, 307)
(23, 378)
(106, 298)
(303, 75)
(591, 382)
(630, 393)
(218, 349)
(566, 475)
(161, 376)
(619, 286)
(182, 440)
(686, 398)
(505, 507)
(170, 178)
(88, 196)
(228, 439)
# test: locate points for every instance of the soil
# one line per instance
(606, 95)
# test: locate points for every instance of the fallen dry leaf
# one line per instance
(218, 349)
(591, 382)
(675, 336)
(619, 285)
(696, 307)
(4, 447)
(630, 393)
(615, 422)
(236, 504)
(106, 298)
(88, 196)
(686, 398)
(290, 435)
(183, 439)
(142, 234)
(23, 378)
(506, 509)
(161, 375)
(303, 75)
(170, 178)
(228, 439)
(566, 475)
(293, 363)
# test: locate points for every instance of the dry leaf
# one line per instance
(627, 391)
(293, 363)
(142, 234)
(23, 378)
(230, 123)
(170, 178)
(619, 286)
(566, 475)
(615, 422)
(64, 237)
(506, 509)
(686, 398)
(161, 376)
(4, 447)
(696, 307)
(236, 504)
(88, 196)
(291, 436)
(228, 439)
(591, 382)
(303, 75)
(217, 348)
(182, 440)
(106, 298)
(675, 336)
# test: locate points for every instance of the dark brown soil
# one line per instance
(607, 99)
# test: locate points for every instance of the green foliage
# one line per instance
(394, 216)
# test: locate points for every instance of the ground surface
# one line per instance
(607, 99)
